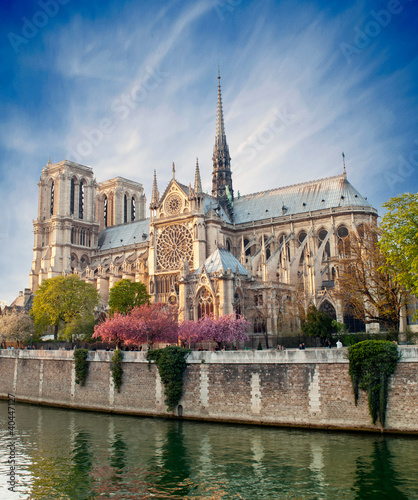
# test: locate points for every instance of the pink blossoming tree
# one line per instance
(222, 329)
(149, 323)
(189, 331)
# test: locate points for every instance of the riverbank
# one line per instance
(291, 388)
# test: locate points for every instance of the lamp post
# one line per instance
(147, 339)
(31, 340)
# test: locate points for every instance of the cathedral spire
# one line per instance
(155, 193)
(221, 174)
(344, 171)
(220, 126)
(197, 181)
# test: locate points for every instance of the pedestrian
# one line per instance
(339, 344)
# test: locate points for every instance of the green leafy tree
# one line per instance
(15, 326)
(317, 324)
(62, 301)
(125, 295)
(399, 239)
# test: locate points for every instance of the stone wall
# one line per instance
(308, 388)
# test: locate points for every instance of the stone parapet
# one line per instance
(309, 388)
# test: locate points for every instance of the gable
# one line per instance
(174, 201)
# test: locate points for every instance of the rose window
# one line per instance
(174, 246)
(173, 204)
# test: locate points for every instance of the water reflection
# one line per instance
(118, 454)
(79, 455)
(376, 476)
(174, 468)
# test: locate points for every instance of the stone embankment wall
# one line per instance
(310, 388)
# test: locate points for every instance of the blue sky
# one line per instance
(127, 87)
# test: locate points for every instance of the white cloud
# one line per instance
(277, 59)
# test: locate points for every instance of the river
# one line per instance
(66, 454)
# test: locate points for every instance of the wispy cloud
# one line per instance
(292, 102)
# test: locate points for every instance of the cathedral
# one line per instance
(260, 254)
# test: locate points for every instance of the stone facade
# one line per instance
(255, 254)
(309, 388)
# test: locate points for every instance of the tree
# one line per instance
(399, 239)
(15, 326)
(159, 322)
(150, 323)
(223, 329)
(125, 295)
(120, 329)
(62, 300)
(189, 331)
(367, 282)
(317, 324)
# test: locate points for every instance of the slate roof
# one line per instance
(209, 201)
(221, 260)
(124, 235)
(330, 192)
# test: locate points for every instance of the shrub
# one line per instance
(372, 362)
(81, 365)
(171, 364)
(116, 368)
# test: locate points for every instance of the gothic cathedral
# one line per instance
(219, 253)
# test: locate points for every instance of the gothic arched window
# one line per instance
(343, 241)
(205, 303)
(237, 305)
(105, 211)
(259, 324)
(125, 209)
(72, 197)
(132, 209)
(302, 237)
(51, 210)
(81, 200)
(328, 308)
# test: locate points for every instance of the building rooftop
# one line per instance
(330, 192)
(124, 235)
(221, 260)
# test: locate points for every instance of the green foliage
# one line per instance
(116, 368)
(82, 328)
(125, 295)
(371, 364)
(317, 324)
(350, 339)
(339, 327)
(399, 239)
(62, 301)
(81, 365)
(171, 363)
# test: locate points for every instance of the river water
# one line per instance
(66, 454)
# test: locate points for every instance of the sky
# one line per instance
(127, 87)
